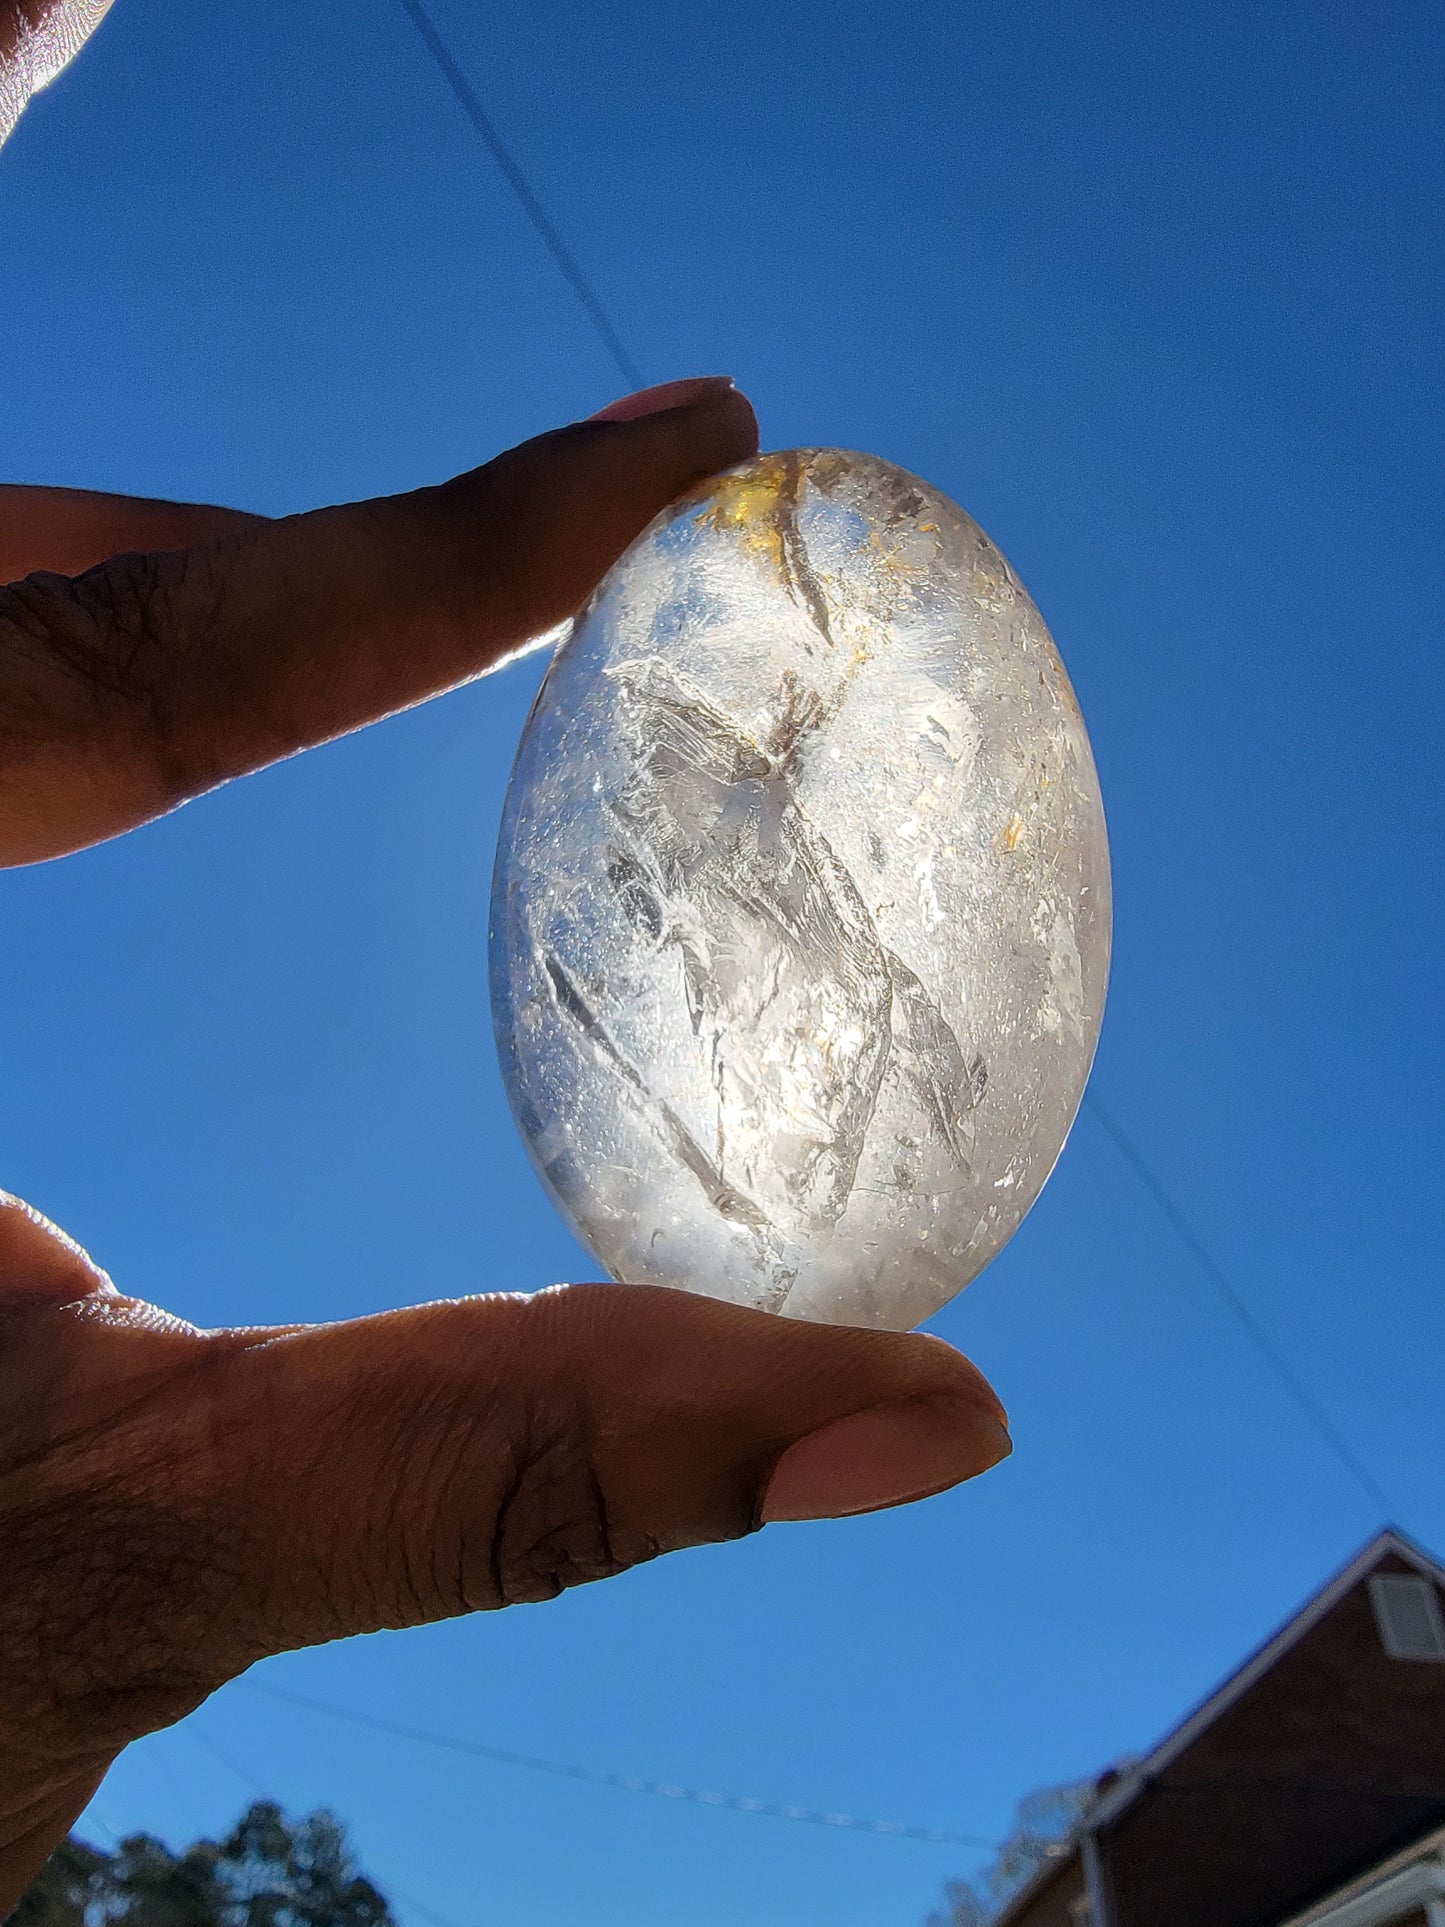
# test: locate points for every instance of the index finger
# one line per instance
(149, 679)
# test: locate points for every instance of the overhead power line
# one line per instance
(625, 1782)
(243, 1774)
(1238, 1309)
(566, 261)
(1229, 1297)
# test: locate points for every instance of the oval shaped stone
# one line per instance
(801, 915)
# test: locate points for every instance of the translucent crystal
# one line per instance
(800, 925)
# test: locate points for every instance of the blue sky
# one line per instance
(1155, 295)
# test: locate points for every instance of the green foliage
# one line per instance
(265, 1873)
(1042, 1821)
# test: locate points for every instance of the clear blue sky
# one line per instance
(1155, 294)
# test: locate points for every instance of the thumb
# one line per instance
(491, 1451)
(176, 1504)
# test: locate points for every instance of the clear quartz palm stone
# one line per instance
(801, 917)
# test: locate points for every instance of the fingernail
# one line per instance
(884, 1456)
(667, 394)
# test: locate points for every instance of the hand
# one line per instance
(176, 1504)
(37, 39)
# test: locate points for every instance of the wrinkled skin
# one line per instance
(174, 1503)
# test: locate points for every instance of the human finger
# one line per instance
(151, 678)
(274, 1489)
(69, 530)
(489, 1451)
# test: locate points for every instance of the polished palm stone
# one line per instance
(800, 924)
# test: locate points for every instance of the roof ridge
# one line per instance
(1389, 1539)
(1122, 1794)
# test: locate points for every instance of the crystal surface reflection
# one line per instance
(801, 916)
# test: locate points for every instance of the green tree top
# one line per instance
(267, 1872)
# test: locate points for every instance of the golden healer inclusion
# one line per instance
(801, 918)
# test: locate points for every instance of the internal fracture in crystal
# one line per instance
(800, 925)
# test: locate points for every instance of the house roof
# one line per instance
(1386, 1890)
(1122, 1791)
(1391, 1541)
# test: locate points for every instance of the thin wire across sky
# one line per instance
(1227, 1293)
(626, 1782)
(567, 263)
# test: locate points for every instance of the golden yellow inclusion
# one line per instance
(1021, 821)
(756, 502)
(760, 505)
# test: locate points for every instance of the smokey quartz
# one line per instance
(800, 924)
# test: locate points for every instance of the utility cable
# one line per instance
(247, 1778)
(1239, 1310)
(156, 1754)
(566, 261)
(1228, 1296)
(626, 1783)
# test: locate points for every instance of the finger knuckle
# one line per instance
(99, 651)
(101, 627)
(554, 1524)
